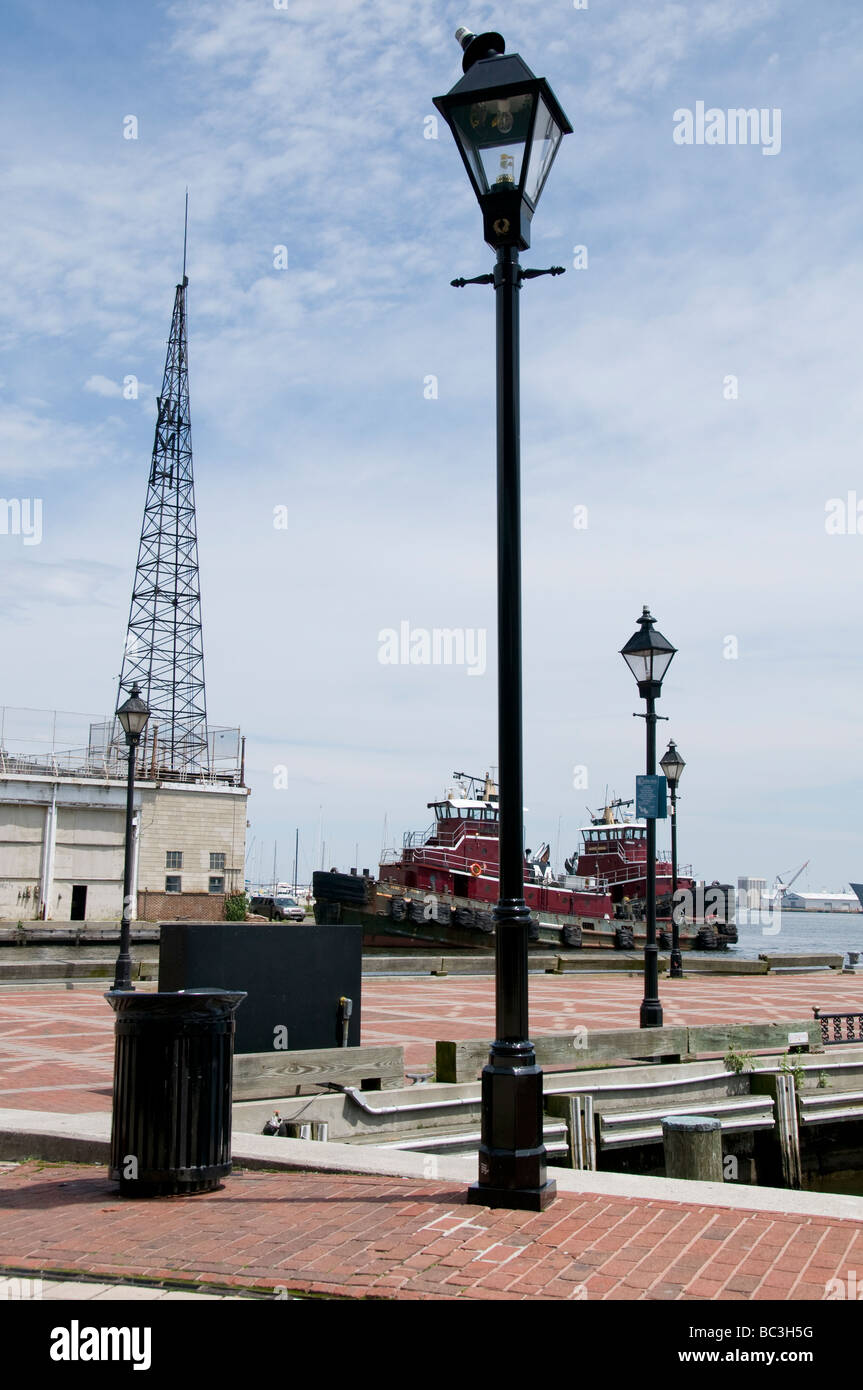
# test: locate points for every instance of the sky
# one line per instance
(691, 408)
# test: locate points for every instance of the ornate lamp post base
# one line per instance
(650, 1014)
(511, 1163)
(525, 1199)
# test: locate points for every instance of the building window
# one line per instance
(217, 861)
(174, 859)
(172, 883)
(217, 884)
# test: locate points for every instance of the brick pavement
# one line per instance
(56, 1046)
(370, 1237)
(89, 1291)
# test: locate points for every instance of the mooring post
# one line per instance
(693, 1147)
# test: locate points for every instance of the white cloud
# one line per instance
(103, 386)
(33, 443)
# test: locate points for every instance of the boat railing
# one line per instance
(603, 850)
(451, 835)
(637, 869)
(413, 838)
(438, 857)
(438, 831)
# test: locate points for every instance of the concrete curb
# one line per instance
(56, 1138)
(86, 1139)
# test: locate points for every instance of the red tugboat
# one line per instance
(439, 891)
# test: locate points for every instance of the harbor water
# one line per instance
(799, 933)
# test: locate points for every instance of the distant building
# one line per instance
(62, 825)
(752, 893)
(819, 902)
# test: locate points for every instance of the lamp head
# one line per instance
(672, 765)
(507, 125)
(133, 715)
(648, 655)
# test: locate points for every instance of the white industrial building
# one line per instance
(819, 902)
(62, 834)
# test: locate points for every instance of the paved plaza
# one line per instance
(56, 1045)
(381, 1236)
(349, 1235)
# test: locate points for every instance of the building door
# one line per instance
(79, 902)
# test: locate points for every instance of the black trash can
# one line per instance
(173, 1057)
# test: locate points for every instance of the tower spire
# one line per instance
(164, 646)
(185, 235)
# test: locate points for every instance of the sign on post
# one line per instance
(650, 798)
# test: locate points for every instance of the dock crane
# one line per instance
(780, 888)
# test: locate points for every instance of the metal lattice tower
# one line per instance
(164, 644)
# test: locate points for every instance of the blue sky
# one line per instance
(304, 127)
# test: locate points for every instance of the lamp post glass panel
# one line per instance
(648, 655)
(508, 125)
(672, 765)
(133, 716)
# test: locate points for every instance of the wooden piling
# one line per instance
(693, 1147)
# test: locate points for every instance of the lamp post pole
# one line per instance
(123, 969)
(512, 1157)
(133, 716)
(651, 1008)
(512, 915)
(672, 765)
(676, 970)
(508, 125)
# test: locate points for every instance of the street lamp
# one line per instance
(648, 655)
(508, 126)
(133, 716)
(672, 765)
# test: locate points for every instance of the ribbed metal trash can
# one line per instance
(173, 1058)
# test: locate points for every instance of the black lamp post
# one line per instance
(133, 716)
(648, 655)
(672, 765)
(508, 126)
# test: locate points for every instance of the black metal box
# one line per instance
(294, 977)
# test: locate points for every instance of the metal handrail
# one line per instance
(847, 1026)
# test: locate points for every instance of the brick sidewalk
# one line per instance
(56, 1046)
(368, 1237)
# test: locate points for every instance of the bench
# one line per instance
(602, 961)
(585, 1048)
(804, 962)
(581, 1049)
(271, 1075)
(773, 1036)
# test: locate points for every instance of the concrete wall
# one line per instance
(21, 830)
(57, 833)
(88, 851)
